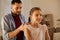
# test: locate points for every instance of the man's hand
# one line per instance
(21, 27)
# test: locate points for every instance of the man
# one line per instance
(11, 23)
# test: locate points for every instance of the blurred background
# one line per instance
(50, 10)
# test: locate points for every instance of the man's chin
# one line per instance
(18, 14)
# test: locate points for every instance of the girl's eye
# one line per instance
(40, 14)
(16, 8)
(36, 14)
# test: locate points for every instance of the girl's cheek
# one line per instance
(42, 18)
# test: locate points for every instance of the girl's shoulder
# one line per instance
(44, 26)
(27, 25)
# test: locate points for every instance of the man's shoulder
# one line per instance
(7, 16)
(21, 15)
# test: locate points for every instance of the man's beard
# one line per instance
(18, 13)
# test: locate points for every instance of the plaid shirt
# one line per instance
(8, 25)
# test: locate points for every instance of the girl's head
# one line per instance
(35, 15)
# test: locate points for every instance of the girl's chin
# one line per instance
(38, 22)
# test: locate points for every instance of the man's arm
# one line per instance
(7, 34)
(15, 32)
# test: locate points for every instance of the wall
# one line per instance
(1, 12)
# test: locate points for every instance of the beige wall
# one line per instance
(1, 12)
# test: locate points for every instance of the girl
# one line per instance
(33, 29)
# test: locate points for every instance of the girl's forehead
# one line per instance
(37, 12)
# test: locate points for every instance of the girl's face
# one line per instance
(36, 16)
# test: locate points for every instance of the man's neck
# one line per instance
(14, 14)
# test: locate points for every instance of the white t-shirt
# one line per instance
(37, 33)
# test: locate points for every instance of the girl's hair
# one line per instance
(31, 11)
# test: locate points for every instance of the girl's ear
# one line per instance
(30, 16)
